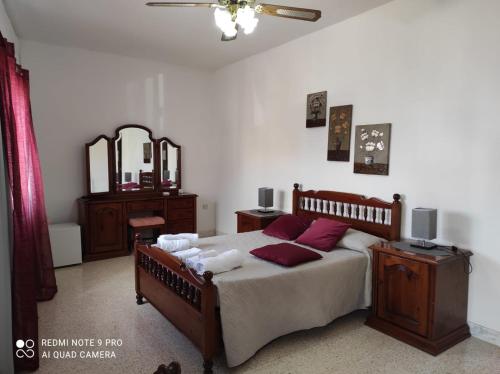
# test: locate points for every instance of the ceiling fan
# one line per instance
(231, 15)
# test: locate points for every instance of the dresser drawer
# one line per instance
(179, 204)
(144, 205)
(180, 214)
(183, 226)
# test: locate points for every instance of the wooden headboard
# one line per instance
(374, 216)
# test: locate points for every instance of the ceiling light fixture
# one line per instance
(231, 15)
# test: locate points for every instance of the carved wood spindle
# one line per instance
(387, 218)
(331, 211)
(369, 214)
(191, 294)
(178, 288)
(346, 210)
(319, 205)
(361, 215)
(174, 280)
(339, 209)
(354, 212)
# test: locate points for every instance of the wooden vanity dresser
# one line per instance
(118, 193)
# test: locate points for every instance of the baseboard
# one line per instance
(485, 333)
(206, 233)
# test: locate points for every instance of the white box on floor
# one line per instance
(66, 243)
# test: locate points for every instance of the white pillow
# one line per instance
(358, 240)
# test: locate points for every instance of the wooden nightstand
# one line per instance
(253, 220)
(420, 299)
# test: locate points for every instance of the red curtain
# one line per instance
(33, 277)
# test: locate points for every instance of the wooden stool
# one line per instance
(146, 223)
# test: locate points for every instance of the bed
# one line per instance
(248, 307)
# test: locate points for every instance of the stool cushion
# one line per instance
(146, 221)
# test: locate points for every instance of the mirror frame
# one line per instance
(87, 162)
(157, 188)
(155, 161)
(179, 181)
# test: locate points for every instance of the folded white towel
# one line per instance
(173, 245)
(193, 238)
(183, 255)
(191, 261)
(221, 263)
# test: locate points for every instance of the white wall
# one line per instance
(78, 94)
(6, 363)
(6, 27)
(429, 67)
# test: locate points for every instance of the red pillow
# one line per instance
(288, 227)
(286, 254)
(323, 234)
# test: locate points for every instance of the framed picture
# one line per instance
(339, 133)
(316, 109)
(371, 155)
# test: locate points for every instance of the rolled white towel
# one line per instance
(221, 263)
(173, 245)
(184, 255)
(193, 238)
(191, 261)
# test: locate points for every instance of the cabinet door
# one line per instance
(246, 224)
(106, 227)
(403, 292)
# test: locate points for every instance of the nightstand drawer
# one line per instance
(403, 292)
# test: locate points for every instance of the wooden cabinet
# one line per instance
(403, 289)
(420, 299)
(253, 220)
(106, 227)
(104, 220)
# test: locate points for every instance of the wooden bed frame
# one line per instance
(189, 301)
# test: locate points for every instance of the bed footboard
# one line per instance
(188, 301)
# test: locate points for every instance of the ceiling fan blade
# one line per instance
(184, 5)
(303, 14)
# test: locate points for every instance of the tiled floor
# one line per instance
(97, 300)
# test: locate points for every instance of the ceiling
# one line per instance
(184, 36)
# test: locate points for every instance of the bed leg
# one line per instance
(139, 299)
(207, 366)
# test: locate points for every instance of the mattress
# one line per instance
(262, 301)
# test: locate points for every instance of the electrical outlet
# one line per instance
(204, 206)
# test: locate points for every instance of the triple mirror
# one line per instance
(133, 161)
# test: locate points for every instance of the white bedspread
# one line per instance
(261, 301)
